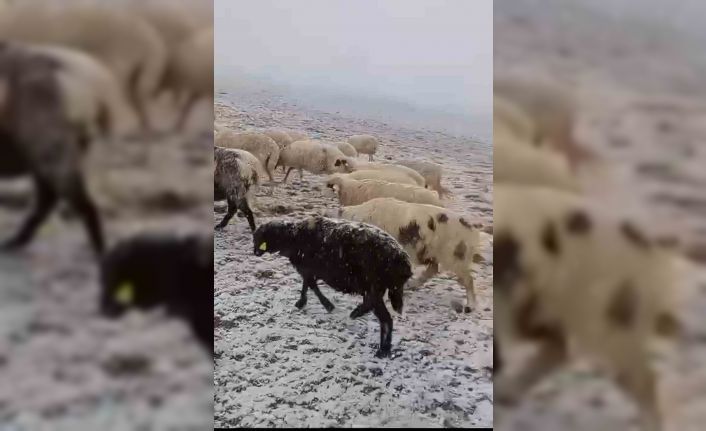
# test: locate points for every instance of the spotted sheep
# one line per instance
(434, 237)
(354, 192)
(54, 102)
(234, 180)
(353, 258)
(151, 269)
(567, 270)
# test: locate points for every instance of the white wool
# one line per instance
(347, 149)
(439, 243)
(315, 157)
(430, 171)
(364, 144)
(353, 192)
(261, 146)
(404, 170)
(383, 175)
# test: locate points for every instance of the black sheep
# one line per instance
(232, 180)
(153, 269)
(37, 138)
(354, 258)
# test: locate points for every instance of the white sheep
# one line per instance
(353, 192)
(520, 164)
(297, 135)
(430, 171)
(347, 149)
(262, 146)
(542, 116)
(128, 45)
(388, 167)
(190, 70)
(565, 269)
(432, 236)
(314, 157)
(383, 175)
(281, 138)
(364, 144)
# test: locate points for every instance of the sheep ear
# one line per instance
(263, 246)
(125, 294)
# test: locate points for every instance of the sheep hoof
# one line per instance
(383, 353)
(300, 304)
(466, 309)
(219, 227)
(329, 307)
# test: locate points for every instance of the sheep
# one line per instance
(364, 144)
(521, 164)
(54, 100)
(126, 44)
(566, 270)
(150, 269)
(233, 180)
(383, 175)
(544, 116)
(430, 171)
(411, 173)
(282, 139)
(261, 146)
(353, 258)
(190, 70)
(432, 236)
(347, 149)
(297, 135)
(315, 157)
(353, 192)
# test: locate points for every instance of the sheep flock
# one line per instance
(333, 313)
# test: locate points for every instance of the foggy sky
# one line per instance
(432, 53)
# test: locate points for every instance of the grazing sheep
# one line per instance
(364, 144)
(383, 175)
(432, 236)
(53, 99)
(190, 70)
(566, 270)
(431, 172)
(314, 157)
(521, 164)
(352, 258)
(411, 173)
(297, 135)
(126, 44)
(542, 116)
(347, 149)
(152, 269)
(233, 179)
(354, 192)
(261, 146)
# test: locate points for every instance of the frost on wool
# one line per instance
(152, 269)
(565, 269)
(353, 258)
(233, 179)
(38, 138)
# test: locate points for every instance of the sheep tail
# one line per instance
(395, 296)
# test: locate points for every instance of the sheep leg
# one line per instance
(184, 113)
(46, 201)
(302, 296)
(362, 309)
(301, 174)
(232, 209)
(636, 379)
(467, 282)
(325, 302)
(245, 208)
(551, 353)
(287, 175)
(84, 206)
(370, 157)
(385, 328)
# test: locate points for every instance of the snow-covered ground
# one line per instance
(640, 92)
(62, 366)
(278, 366)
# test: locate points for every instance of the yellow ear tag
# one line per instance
(125, 294)
(263, 246)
